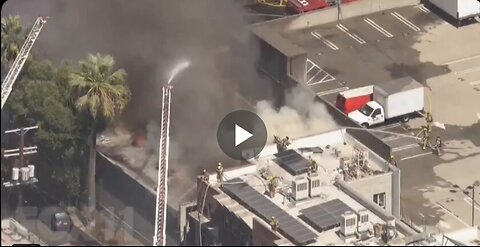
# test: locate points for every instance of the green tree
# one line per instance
(13, 36)
(41, 98)
(100, 92)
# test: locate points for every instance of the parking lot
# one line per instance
(411, 41)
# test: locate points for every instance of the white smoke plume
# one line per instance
(300, 116)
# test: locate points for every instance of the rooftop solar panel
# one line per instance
(325, 216)
(316, 150)
(291, 228)
(293, 162)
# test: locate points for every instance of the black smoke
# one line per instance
(148, 38)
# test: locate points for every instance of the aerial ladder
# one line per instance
(161, 206)
(22, 56)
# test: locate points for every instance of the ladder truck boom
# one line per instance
(161, 206)
(22, 56)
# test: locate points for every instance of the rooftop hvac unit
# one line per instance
(348, 223)
(24, 171)
(15, 173)
(363, 221)
(300, 188)
(314, 185)
(31, 171)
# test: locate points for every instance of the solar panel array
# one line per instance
(293, 162)
(315, 150)
(290, 227)
(325, 216)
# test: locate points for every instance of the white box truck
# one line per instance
(458, 9)
(399, 98)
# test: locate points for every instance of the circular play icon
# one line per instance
(242, 135)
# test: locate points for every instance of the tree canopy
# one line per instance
(13, 36)
(67, 102)
(100, 89)
(41, 98)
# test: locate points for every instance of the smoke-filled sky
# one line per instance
(148, 38)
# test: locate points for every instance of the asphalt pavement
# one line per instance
(411, 41)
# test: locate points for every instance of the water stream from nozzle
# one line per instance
(177, 69)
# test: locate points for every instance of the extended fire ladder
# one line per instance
(17, 65)
(160, 213)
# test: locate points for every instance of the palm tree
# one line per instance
(101, 93)
(13, 36)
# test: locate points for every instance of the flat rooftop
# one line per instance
(267, 165)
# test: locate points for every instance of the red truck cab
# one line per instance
(354, 99)
(302, 6)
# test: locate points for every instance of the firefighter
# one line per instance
(220, 173)
(392, 160)
(313, 165)
(205, 176)
(429, 120)
(438, 142)
(272, 185)
(278, 141)
(286, 142)
(438, 145)
(274, 223)
(425, 137)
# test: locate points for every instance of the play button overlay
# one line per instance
(242, 135)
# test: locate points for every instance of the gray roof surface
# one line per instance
(270, 32)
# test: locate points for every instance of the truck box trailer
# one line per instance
(458, 9)
(354, 99)
(399, 98)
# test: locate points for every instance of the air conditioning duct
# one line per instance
(314, 185)
(300, 188)
(363, 221)
(348, 223)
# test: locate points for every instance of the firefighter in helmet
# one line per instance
(220, 173)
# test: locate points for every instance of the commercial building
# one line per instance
(326, 189)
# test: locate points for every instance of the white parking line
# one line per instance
(405, 21)
(474, 83)
(415, 156)
(462, 59)
(335, 90)
(401, 148)
(311, 78)
(352, 35)
(326, 78)
(324, 40)
(378, 27)
(455, 216)
(469, 201)
(468, 71)
(423, 8)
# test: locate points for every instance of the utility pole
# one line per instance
(339, 3)
(27, 173)
(476, 183)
